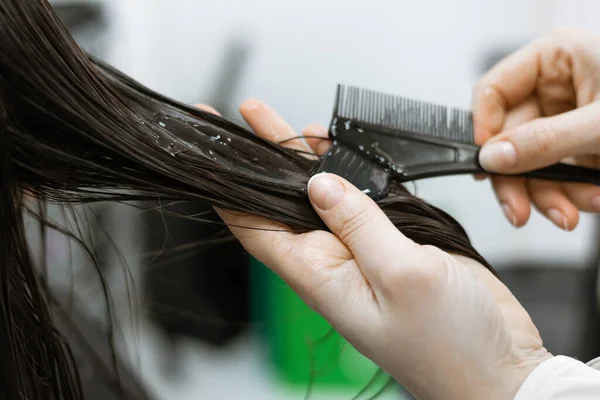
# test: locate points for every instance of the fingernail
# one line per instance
(558, 218)
(325, 191)
(509, 214)
(498, 156)
(596, 203)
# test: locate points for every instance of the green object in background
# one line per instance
(304, 350)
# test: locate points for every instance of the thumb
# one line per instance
(543, 141)
(359, 223)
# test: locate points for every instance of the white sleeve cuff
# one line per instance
(561, 378)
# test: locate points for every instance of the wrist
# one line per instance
(511, 376)
(496, 382)
(500, 382)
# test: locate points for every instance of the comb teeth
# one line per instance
(401, 113)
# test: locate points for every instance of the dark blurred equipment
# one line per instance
(77, 13)
(562, 303)
(201, 291)
(235, 59)
(85, 20)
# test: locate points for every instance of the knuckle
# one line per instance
(571, 40)
(421, 278)
(487, 89)
(544, 138)
(563, 34)
(558, 41)
(563, 30)
(480, 87)
(352, 226)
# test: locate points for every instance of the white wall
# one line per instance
(429, 50)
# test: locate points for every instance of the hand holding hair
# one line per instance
(538, 107)
(77, 131)
(442, 325)
(398, 278)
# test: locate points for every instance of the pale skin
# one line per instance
(442, 325)
(543, 100)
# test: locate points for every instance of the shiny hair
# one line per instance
(74, 130)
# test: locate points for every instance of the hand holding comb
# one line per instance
(379, 138)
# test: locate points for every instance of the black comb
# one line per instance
(378, 137)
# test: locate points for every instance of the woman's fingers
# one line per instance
(552, 201)
(505, 86)
(543, 141)
(513, 197)
(363, 227)
(584, 197)
(316, 265)
(252, 231)
(207, 108)
(317, 138)
(266, 123)
(512, 191)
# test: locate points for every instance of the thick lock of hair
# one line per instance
(74, 130)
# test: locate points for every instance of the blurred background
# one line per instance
(213, 323)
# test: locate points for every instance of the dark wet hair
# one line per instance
(73, 131)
